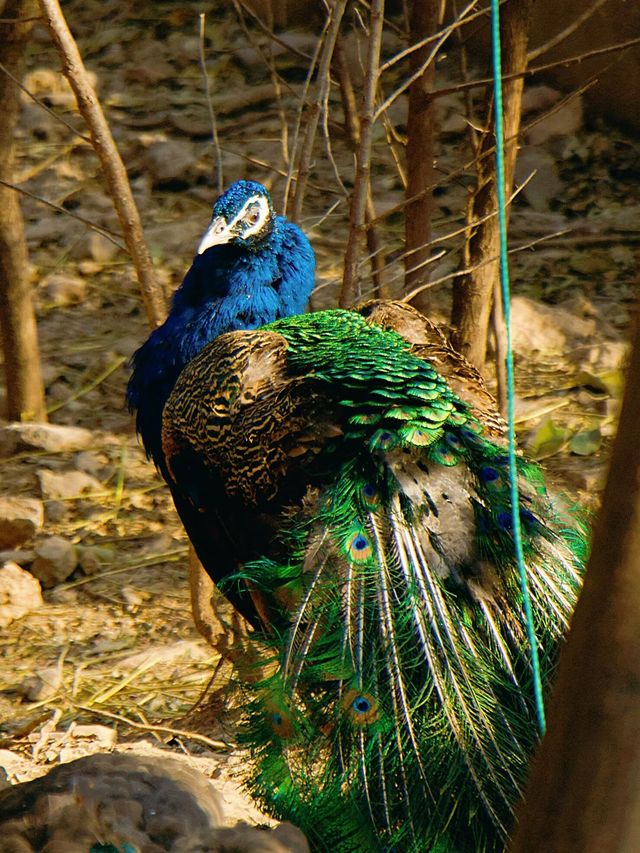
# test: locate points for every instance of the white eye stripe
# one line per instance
(263, 211)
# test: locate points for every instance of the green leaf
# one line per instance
(586, 442)
(547, 439)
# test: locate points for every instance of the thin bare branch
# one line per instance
(42, 105)
(418, 45)
(514, 250)
(350, 284)
(323, 83)
(212, 114)
(100, 229)
(294, 152)
(352, 126)
(575, 24)
(207, 741)
(271, 168)
(273, 37)
(112, 166)
(277, 81)
(536, 69)
(464, 169)
(442, 36)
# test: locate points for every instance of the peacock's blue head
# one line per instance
(242, 215)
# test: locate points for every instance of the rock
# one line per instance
(62, 595)
(546, 328)
(538, 98)
(90, 462)
(21, 556)
(295, 41)
(171, 160)
(170, 238)
(566, 121)
(50, 373)
(149, 72)
(455, 124)
(89, 268)
(55, 560)
(242, 838)
(159, 654)
(19, 593)
(66, 484)
(132, 599)
(588, 480)
(95, 249)
(105, 736)
(545, 183)
(590, 263)
(20, 519)
(52, 86)
(49, 228)
(42, 686)
(61, 289)
(16, 766)
(35, 121)
(93, 558)
(54, 438)
(608, 355)
(55, 511)
(101, 249)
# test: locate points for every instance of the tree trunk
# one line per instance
(25, 394)
(352, 129)
(351, 290)
(425, 18)
(584, 790)
(473, 293)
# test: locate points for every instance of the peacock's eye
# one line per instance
(254, 215)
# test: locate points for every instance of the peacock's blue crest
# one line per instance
(232, 200)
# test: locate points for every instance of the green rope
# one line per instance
(504, 282)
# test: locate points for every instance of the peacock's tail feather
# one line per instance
(403, 693)
(397, 710)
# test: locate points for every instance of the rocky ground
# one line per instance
(102, 649)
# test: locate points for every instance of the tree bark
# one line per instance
(584, 790)
(25, 394)
(351, 290)
(352, 129)
(425, 18)
(473, 293)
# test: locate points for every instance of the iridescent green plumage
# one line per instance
(368, 508)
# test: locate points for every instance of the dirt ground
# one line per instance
(114, 647)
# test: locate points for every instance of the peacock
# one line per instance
(344, 479)
(127, 803)
(251, 266)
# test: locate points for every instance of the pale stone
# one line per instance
(19, 593)
(20, 519)
(55, 560)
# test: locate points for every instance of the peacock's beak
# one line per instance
(218, 232)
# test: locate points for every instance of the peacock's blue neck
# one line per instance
(228, 288)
